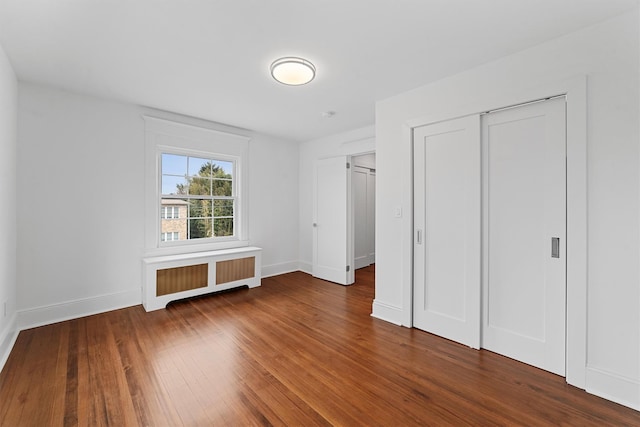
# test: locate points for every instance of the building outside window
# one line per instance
(173, 224)
(168, 237)
(170, 212)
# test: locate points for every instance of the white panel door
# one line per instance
(333, 221)
(524, 208)
(447, 229)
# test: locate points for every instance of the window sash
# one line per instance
(205, 225)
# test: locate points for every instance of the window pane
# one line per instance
(200, 208)
(173, 164)
(199, 167)
(223, 226)
(222, 169)
(174, 185)
(199, 228)
(200, 186)
(222, 208)
(222, 188)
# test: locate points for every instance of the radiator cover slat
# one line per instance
(178, 279)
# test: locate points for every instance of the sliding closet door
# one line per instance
(447, 191)
(524, 233)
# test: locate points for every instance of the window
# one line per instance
(166, 237)
(203, 187)
(196, 178)
(169, 212)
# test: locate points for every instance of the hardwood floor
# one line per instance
(296, 351)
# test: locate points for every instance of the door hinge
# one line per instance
(348, 165)
(348, 268)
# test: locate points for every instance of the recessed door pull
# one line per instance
(555, 247)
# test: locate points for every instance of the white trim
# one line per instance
(305, 267)
(161, 134)
(53, 313)
(575, 89)
(8, 339)
(388, 313)
(276, 269)
(406, 272)
(613, 387)
(637, 402)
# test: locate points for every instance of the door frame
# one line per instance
(575, 90)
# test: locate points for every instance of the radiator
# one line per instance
(168, 278)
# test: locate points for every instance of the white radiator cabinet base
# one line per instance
(151, 265)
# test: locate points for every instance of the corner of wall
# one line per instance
(8, 338)
(8, 218)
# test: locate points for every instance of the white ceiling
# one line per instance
(210, 58)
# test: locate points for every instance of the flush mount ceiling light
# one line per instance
(293, 71)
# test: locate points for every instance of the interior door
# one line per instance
(447, 229)
(524, 233)
(333, 221)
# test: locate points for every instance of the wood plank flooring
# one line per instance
(296, 351)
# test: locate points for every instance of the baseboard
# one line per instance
(610, 386)
(305, 267)
(8, 338)
(282, 268)
(46, 315)
(386, 312)
(361, 262)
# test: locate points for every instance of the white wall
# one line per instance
(81, 203)
(358, 141)
(608, 54)
(273, 207)
(8, 132)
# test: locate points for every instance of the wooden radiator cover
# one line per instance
(178, 279)
(235, 269)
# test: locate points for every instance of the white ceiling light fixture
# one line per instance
(293, 71)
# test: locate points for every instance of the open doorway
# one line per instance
(363, 182)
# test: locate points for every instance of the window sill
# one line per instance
(195, 248)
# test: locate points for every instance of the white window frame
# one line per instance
(170, 137)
